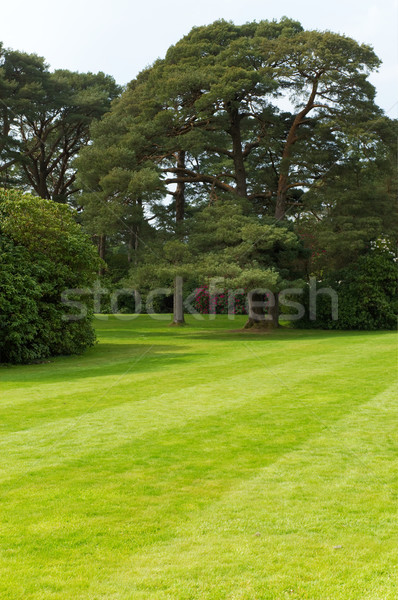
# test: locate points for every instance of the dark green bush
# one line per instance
(42, 253)
(367, 295)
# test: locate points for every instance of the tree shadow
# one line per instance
(105, 359)
(280, 334)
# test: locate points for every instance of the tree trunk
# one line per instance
(258, 318)
(132, 248)
(280, 208)
(283, 183)
(239, 163)
(42, 188)
(274, 311)
(180, 191)
(136, 244)
(178, 307)
(101, 251)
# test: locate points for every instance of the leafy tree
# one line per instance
(204, 126)
(326, 74)
(356, 205)
(22, 78)
(45, 119)
(213, 99)
(221, 242)
(248, 254)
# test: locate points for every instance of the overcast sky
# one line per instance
(121, 37)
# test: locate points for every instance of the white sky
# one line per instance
(121, 37)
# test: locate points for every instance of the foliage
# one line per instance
(206, 303)
(221, 241)
(20, 293)
(246, 252)
(214, 98)
(44, 121)
(367, 295)
(43, 253)
(202, 131)
(344, 215)
(271, 118)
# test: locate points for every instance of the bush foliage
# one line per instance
(367, 295)
(43, 251)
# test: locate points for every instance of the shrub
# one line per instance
(367, 295)
(218, 304)
(43, 251)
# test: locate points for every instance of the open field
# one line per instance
(197, 463)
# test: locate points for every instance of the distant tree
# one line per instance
(213, 100)
(250, 254)
(204, 126)
(221, 242)
(45, 120)
(356, 204)
(22, 79)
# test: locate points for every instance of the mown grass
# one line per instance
(200, 463)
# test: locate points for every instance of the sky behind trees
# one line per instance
(122, 37)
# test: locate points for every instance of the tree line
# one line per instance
(252, 152)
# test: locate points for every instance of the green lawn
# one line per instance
(200, 463)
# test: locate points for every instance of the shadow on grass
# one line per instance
(230, 335)
(105, 359)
